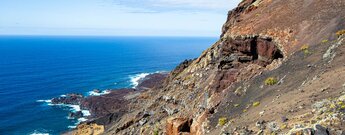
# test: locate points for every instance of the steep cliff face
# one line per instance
(291, 23)
(274, 60)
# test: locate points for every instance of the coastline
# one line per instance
(86, 108)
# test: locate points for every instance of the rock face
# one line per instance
(151, 81)
(75, 115)
(92, 129)
(103, 105)
(72, 99)
(269, 64)
(177, 126)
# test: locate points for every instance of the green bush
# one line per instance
(271, 81)
(222, 121)
(324, 41)
(255, 104)
(155, 132)
(305, 49)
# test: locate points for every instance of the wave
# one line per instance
(38, 133)
(73, 108)
(46, 101)
(93, 93)
(136, 79)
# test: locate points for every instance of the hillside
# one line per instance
(278, 68)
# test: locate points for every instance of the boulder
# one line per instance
(75, 115)
(320, 130)
(72, 99)
(177, 126)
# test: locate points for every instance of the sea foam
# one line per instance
(136, 78)
(93, 93)
(73, 108)
(37, 133)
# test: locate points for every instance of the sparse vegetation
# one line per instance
(156, 132)
(188, 77)
(271, 81)
(222, 121)
(236, 105)
(340, 32)
(255, 104)
(324, 41)
(305, 49)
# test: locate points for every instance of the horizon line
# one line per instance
(72, 35)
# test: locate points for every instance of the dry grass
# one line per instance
(340, 32)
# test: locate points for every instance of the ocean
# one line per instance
(34, 69)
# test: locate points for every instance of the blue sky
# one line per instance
(114, 17)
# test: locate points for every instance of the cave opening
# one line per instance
(185, 127)
(261, 51)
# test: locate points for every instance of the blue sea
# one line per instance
(34, 69)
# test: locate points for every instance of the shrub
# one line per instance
(340, 32)
(305, 47)
(324, 41)
(236, 105)
(188, 77)
(271, 81)
(342, 107)
(255, 104)
(222, 121)
(306, 52)
(155, 132)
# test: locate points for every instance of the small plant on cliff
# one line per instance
(256, 104)
(305, 49)
(324, 41)
(222, 121)
(155, 132)
(271, 81)
(340, 32)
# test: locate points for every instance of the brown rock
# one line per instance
(178, 126)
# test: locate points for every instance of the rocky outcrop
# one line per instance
(178, 126)
(75, 115)
(92, 129)
(151, 81)
(108, 103)
(72, 99)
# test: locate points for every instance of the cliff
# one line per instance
(278, 68)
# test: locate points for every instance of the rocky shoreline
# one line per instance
(100, 106)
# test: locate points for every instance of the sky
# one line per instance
(114, 17)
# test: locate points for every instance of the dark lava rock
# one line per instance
(73, 99)
(75, 115)
(151, 81)
(320, 130)
(284, 119)
(103, 105)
